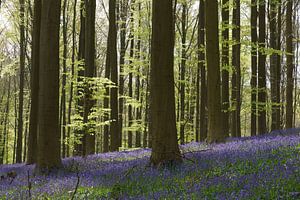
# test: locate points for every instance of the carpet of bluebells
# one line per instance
(261, 167)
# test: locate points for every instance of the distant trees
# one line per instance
(162, 95)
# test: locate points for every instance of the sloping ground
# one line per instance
(265, 167)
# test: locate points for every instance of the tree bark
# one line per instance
(182, 71)
(89, 72)
(22, 74)
(225, 66)
(215, 132)
(236, 76)
(289, 64)
(253, 67)
(201, 65)
(34, 84)
(162, 95)
(48, 128)
(262, 124)
(112, 54)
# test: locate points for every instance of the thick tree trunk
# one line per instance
(290, 64)
(262, 93)
(162, 95)
(215, 132)
(34, 84)
(48, 128)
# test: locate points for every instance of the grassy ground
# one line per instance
(266, 167)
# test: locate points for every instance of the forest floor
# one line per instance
(261, 167)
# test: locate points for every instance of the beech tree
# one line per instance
(48, 126)
(215, 131)
(162, 93)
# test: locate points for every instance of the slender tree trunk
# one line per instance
(162, 95)
(278, 69)
(112, 54)
(138, 137)
(182, 70)
(225, 66)
(262, 127)
(22, 74)
(253, 67)
(130, 89)
(123, 14)
(201, 65)
(78, 147)
(64, 80)
(273, 63)
(215, 132)
(5, 123)
(290, 64)
(236, 76)
(34, 84)
(48, 128)
(72, 73)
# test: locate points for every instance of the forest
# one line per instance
(149, 99)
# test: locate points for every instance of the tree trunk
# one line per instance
(34, 84)
(138, 137)
(262, 127)
(201, 65)
(48, 128)
(225, 66)
(130, 81)
(182, 70)
(64, 80)
(162, 95)
(22, 74)
(72, 72)
(215, 132)
(278, 69)
(273, 63)
(112, 54)
(236, 76)
(123, 14)
(89, 72)
(78, 146)
(253, 67)
(289, 64)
